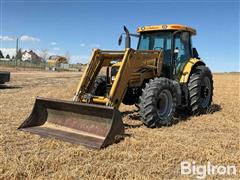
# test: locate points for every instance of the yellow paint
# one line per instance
(118, 64)
(100, 100)
(188, 68)
(167, 27)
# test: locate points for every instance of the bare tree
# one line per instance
(44, 55)
(68, 56)
(19, 54)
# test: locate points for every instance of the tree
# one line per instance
(7, 56)
(67, 56)
(44, 55)
(19, 54)
(1, 54)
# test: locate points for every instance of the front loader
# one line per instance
(162, 75)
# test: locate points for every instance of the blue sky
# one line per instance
(78, 26)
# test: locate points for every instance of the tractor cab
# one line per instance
(175, 42)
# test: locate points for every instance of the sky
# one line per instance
(79, 26)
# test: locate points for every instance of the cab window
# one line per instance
(183, 46)
(183, 49)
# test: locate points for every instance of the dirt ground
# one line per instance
(144, 154)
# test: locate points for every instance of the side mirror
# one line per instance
(127, 38)
(184, 36)
(120, 40)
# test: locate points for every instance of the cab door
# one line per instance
(183, 51)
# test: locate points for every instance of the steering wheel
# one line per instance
(155, 48)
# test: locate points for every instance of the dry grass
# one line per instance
(145, 154)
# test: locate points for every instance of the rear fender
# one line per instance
(190, 65)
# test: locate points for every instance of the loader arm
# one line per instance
(130, 64)
(89, 74)
(93, 121)
(133, 61)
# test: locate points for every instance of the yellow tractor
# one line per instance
(162, 75)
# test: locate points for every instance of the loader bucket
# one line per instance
(91, 125)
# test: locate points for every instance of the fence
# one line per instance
(22, 64)
(38, 66)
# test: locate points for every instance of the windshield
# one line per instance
(155, 41)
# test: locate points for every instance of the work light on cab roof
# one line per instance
(167, 27)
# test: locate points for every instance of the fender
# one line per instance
(191, 64)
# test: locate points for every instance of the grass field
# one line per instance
(144, 154)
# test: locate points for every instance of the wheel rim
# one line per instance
(164, 104)
(205, 92)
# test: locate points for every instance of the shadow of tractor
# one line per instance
(181, 115)
(5, 86)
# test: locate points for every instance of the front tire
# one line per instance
(158, 103)
(200, 87)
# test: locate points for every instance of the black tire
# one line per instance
(131, 96)
(100, 86)
(158, 95)
(200, 88)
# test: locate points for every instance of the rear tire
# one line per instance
(200, 87)
(158, 103)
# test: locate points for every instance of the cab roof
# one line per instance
(165, 27)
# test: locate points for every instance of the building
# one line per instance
(31, 56)
(55, 62)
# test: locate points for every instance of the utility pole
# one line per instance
(16, 52)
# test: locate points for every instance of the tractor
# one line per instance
(162, 76)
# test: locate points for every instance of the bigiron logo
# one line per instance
(204, 170)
